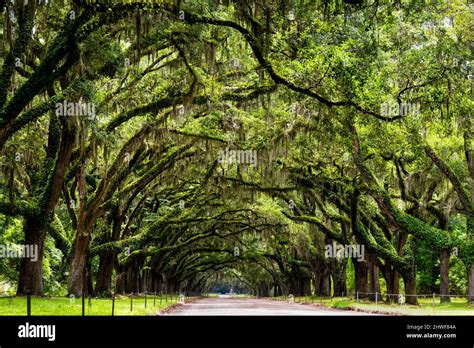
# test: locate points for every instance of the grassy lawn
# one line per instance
(458, 306)
(71, 307)
(214, 295)
(243, 296)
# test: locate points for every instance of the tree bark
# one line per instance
(374, 277)
(361, 277)
(306, 286)
(392, 280)
(31, 272)
(470, 233)
(471, 285)
(444, 276)
(410, 289)
(120, 283)
(338, 272)
(78, 264)
(108, 258)
(325, 283)
(104, 274)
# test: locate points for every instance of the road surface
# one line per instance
(228, 305)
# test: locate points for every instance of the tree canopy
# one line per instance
(151, 144)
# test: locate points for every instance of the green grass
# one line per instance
(62, 306)
(458, 306)
(214, 295)
(243, 296)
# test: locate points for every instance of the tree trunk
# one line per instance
(120, 283)
(104, 274)
(89, 280)
(325, 284)
(132, 277)
(361, 277)
(31, 272)
(392, 280)
(264, 291)
(306, 286)
(471, 285)
(444, 276)
(292, 287)
(317, 282)
(78, 264)
(410, 289)
(470, 233)
(374, 277)
(338, 272)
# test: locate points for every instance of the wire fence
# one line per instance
(372, 297)
(144, 303)
(401, 298)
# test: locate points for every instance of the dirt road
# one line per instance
(228, 305)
